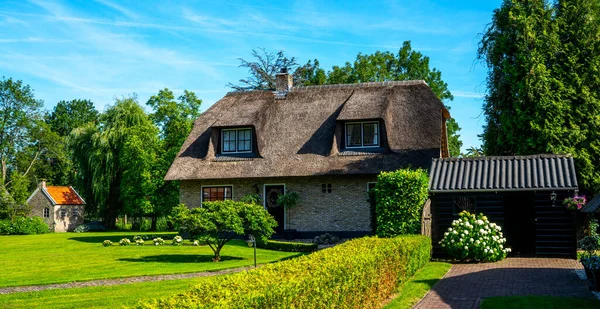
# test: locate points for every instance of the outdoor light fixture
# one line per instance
(553, 198)
(252, 242)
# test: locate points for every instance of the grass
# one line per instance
(67, 257)
(115, 296)
(414, 289)
(545, 302)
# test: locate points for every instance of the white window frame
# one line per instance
(236, 130)
(75, 212)
(61, 212)
(362, 132)
(265, 200)
(215, 186)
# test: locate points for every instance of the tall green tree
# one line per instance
(115, 159)
(174, 119)
(543, 83)
(407, 64)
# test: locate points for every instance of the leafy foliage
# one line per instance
(251, 199)
(288, 246)
(219, 222)
(474, 238)
(543, 87)
(357, 274)
(23, 226)
(399, 199)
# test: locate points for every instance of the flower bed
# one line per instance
(357, 274)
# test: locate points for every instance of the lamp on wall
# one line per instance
(553, 198)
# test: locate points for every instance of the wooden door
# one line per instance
(272, 193)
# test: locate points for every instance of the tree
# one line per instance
(219, 222)
(407, 64)
(69, 115)
(542, 85)
(115, 159)
(175, 119)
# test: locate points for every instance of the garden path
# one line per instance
(465, 285)
(117, 281)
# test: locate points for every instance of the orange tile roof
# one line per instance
(64, 195)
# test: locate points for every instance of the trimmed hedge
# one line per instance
(399, 200)
(357, 274)
(288, 246)
(23, 226)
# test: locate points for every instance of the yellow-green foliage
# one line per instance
(357, 274)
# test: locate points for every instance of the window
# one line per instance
(63, 213)
(46, 212)
(222, 193)
(362, 134)
(464, 203)
(326, 188)
(75, 212)
(236, 140)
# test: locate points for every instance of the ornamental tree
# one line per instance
(219, 222)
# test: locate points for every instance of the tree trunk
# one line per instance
(154, 219)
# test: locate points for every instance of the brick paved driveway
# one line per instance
(466, 285)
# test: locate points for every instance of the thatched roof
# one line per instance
(299, 133)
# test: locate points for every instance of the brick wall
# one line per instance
(344, 209)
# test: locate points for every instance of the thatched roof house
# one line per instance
(310, 137)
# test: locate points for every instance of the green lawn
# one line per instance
(542, 302)
(108, 297)
(67, 257)
(414, 289)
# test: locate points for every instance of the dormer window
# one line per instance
(362, 134)
(236, 140)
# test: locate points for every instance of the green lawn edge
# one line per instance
(414, 289)
(546, 302)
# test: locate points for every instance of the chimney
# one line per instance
(43, 183)
(284, 82)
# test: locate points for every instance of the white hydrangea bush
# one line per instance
(473, 238)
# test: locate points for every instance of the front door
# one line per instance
(519, 223)
(272, 193)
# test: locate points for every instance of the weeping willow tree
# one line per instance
(114, 160)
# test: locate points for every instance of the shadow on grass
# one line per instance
(180, 258)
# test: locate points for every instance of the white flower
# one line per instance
(471, 240)
(446, 234)
(454, 232)
(449, 229)
(477, 241)
(465, 232)
(485, 250)
(482, 231)
(466, 248)
(460, 240)
(452, 241)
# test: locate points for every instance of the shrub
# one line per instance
(474, 238)
(399, 199)
(288, 246)
(360, 273)
(107, 243)
(195, 243)
(93, 226)
(590, 244)
(124, 242)
(23, 226)
(251, 199)
(158, 241)
(177, 241)
(326, 239)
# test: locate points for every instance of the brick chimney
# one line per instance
(284, 82)
(43, 183)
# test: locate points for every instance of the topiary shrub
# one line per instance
(399, 199)
(158, 241)
(125, 242)
(107, 243)
(474, 238)
(177, 241)
(288, 246)
(23, 226)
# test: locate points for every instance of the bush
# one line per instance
(93, 226)
(177, 241)
(357, 274)
(124, 242)
(288, 246)
(590, 244)
(23, 226)
(474, 238)
(107, 243)
(326, 239)
(158, 241)
(399, 199)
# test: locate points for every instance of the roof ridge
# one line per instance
(362, 85)
(535, 156)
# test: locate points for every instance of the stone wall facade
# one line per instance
(38, 203)
(345, 209)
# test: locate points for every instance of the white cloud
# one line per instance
(467, 94)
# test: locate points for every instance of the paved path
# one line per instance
(107, 282)
(465, 285)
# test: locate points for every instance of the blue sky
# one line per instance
(103, 49)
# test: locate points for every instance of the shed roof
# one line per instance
(63, 195)
(593, 205)
(296, 134)
(507, 173)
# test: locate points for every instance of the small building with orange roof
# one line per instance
(60, 207)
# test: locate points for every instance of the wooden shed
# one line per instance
(523, 194)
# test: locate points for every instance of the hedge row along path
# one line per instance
(128, 280)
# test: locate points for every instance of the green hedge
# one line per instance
(23, 226)
(357, 274)
(399, 199)
(288, 246)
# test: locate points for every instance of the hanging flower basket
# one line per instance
(575, 203)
